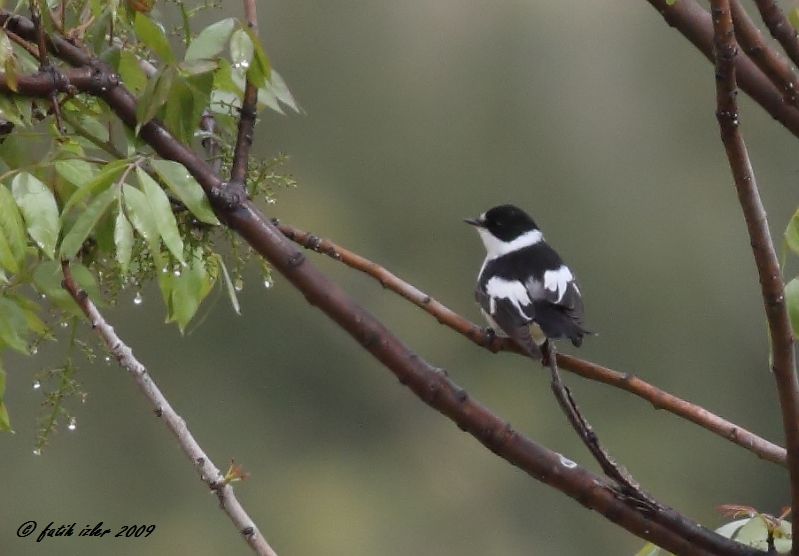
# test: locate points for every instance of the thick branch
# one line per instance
(208, 472)
(625, 381)
(768, 267)
(693, 21)
(430, 384)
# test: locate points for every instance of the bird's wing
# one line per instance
(512, 316)
(558, 305)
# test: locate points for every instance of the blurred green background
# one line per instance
(598, 119)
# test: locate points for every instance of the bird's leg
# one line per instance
(547, 352)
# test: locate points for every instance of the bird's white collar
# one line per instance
(495, 247)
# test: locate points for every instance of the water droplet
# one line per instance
(188, 177)
(37, 452)
(43, 295)
(176, 272)
(138, 299)
(64, 324)
(73, 424)
(107, 359)
(34, 349)
(83, 397)
(238, 285)
(566, 462)
(268, 283)
(36, 384)
(270, 201)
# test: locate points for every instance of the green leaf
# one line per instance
(75, 171)
(793, 16)
(5, 422)
(12, 230)
(39, 210)
(83, 226)
(185, 187)
(260, 68)
(231, 289)
(241, 49)
(187, 291)
(276, 90)
(162, 213)
(151, 34)
(792, 233)
(650, 549)
(792, 299)
(154, 96)
(101, 182)
(211, 40)
(123, 239)
(13, 326)
(141, 216)
(132, 74)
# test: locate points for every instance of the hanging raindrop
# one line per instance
(138, 299)
(73, 424)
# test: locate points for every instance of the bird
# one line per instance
(524, 289)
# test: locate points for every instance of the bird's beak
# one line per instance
(474, 222)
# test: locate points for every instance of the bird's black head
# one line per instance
(505, 222)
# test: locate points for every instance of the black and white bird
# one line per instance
(524, 289)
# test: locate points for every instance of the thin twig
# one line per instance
(625, 381)
(248, 113)
(768, 267)
(776, 68)
(585, 431)
(208, 472)
(780, 28)
(44, 62)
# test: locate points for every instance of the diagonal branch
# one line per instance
(208, 472)
(665, 527)
(768, 267)
(780, 28)
(586, 433)
(776, 68)
(693, 21)
(625, 381)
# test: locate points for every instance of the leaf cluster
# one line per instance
(77, 185)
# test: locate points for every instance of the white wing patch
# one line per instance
(512, 290)
(558, 280)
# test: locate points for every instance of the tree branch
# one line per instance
(208, 472)
(768, 267)
(625, 381)
(670, 529)
(776, 68)
(780, 28)
(693, 21)
(241, 152)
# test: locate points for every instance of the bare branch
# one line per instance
(780, 28)
(768, 267)
(586, 432)
(776, 68)
(693, 21)
(241, 152)
(625, 381)
(208, 472)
